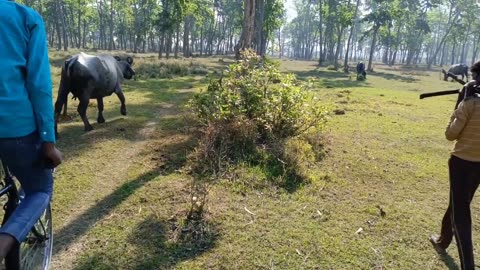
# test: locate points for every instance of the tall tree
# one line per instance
(248, 27)
(352, 30)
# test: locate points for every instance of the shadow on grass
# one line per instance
(402, 67)
(410, 71)
(449, 262)
(289, 180)
(172, 153)
(159, 244)
(338, 79)
(163, 103)
(78, 227)
(332, 79)
(286, 167)
(187, 241)
(390, 76)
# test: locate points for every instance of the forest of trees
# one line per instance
(432, 32)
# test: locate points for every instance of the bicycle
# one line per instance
(35, 252)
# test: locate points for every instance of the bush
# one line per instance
(224, 142)
(254, 115)
(278, 104)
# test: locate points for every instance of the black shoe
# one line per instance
(434, 239)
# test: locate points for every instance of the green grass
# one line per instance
(123, 189)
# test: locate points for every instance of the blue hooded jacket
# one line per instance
(26, 103)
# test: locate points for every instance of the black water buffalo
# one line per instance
(92, 77)
(119, 58)
(457, 69)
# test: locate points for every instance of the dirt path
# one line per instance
(70, 236)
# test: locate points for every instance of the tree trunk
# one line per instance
(475, 49)
(201, 41)
(111, 45)
(186, 34)
(169, 44)
(463, 57)
(451, 18)
(81, 40)
(51, 39)
(345, 62)
(372, 49)
(160, 45)
(337, 50)
(64, 28)
(260, 33)
(247, 31)
(320, 39)
(444, 53)
(397, 44)
(177, 39)
(58, 26)
(452, 59)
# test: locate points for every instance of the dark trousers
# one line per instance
(364, 73)
(457, 221)
(22, 156)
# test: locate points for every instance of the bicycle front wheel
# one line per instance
(36, 251)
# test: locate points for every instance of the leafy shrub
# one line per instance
(254, 114)
(224, 142)
(277, 103)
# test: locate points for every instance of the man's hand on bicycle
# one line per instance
(52, 153)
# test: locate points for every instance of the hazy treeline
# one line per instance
(333, 31)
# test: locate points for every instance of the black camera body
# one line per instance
(472, 89)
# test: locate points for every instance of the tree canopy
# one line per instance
(433, 32)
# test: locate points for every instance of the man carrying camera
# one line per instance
(464, 171)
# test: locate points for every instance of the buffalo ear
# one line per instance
(118, 58)
(129, 60)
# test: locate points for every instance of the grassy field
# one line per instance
(123, 188)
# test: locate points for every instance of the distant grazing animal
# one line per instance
(361, 73)
(92, 77)
(457, 69)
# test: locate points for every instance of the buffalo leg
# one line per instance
(118, 91)
(65, 108)
(82, 110)
(100, 118)
(62, 98)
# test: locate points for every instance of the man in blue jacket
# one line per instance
(26, 116)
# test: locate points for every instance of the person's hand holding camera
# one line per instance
(468, 90)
